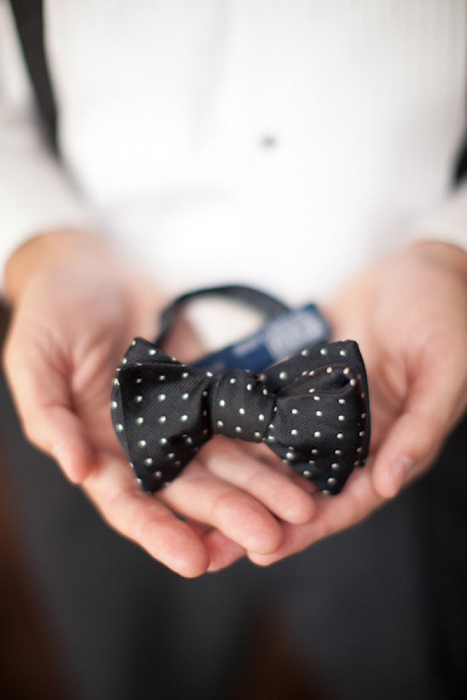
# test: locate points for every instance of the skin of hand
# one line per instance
(75, 311)
(409, 316)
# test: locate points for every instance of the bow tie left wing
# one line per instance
(159, 413)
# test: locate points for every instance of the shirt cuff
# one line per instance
(447, 223)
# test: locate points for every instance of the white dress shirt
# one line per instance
(284, 144)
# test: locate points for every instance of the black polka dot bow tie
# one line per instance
(311, 410)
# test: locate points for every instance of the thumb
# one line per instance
(41, 391)
(435, 402)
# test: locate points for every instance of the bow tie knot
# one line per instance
(241, 406)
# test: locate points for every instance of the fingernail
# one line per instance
(400, 471)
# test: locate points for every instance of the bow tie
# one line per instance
(311, 410)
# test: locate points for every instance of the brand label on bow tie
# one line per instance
(284, 335)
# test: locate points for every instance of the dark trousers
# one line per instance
(379, 611)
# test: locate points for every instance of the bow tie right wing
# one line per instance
(322, 421)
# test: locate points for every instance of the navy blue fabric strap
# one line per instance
(263, 302)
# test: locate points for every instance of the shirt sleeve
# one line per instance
(447, 223)
(35, 191)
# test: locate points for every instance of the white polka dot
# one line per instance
(335, 465)
(232, 380)
(337, 452)
(332, 481)
(148, 461)
(265, 392)
(325, 492)
(294, 411)
(161, 397)
(353, 382)
(312, 462)
(222, 403)
(289, 455)
(163, 441)
(361, 433)
(119, 427)
(317, 398)
(261, 416)
(257, 435)
(171, 455)
(238, 429)
(158, 474)
(306, 473)
(139, 420)
(162, 419)
(324, 351)
(340, 436)
(188, 440)
(342, 401)
(319, 413)
(305, 353)
(329, 370)
(138, 399)
(346, 370)
(241, 411)
(317, 434)
(152, 351)
(142, 443)
(116, 382)
(161, 377)
(113, 405)
(343, 353)
(294, 432)
(312, 390)
(185, 375)
(184, 418)
(220, 424)
(363, 416)
(283, 375)
(341, 418)
(311, 373)
(139, 380)
(249, 387)
(314, 451)
(185, 396)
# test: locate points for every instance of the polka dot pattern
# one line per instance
(312, 410)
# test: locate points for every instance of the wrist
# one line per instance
(442, 255)
(48, 251)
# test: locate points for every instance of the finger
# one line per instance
(144, 519)
(222, 551)
(279, 494)
(333, 514)
(42, 397)
(436, 400)
(199, 495)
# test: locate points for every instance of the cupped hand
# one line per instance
(75, 310)
(409, 316)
